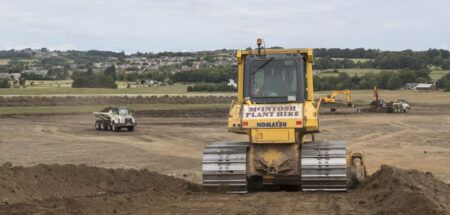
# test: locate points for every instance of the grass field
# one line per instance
(68, 84)
(89, 109)
(355, 60)
(435, 74)
(4, 62)
(170, 89)
(360, 97)
(351, 72)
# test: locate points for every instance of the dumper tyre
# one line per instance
(130, 128)
(97, 125)
(103, 126)
(114, 127)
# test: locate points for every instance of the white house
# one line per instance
(231, 82)
(422, 86)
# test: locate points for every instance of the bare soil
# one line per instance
(95, 172)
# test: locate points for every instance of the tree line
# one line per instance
(211, 87)
(385, 59)
(444, 83)
(89, 79)
(390, 80)
(210, 75)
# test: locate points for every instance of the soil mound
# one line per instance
(81, 189)
(26, 184)
(394, 191)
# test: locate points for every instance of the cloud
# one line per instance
(151, 25)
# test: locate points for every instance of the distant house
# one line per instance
(410, 86)
(4, 75)
(15, 76)
(12, 76)
(424, 87)
(231, 82)
(151, 83)
(41, 72)
(420, 86)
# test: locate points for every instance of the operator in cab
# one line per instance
(273, 81)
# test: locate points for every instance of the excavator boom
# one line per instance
(331, 98)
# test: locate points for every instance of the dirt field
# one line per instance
(172, 146)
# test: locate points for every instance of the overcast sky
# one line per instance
(191, 25)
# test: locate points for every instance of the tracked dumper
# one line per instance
(275, 108)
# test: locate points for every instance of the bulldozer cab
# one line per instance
(278, 78)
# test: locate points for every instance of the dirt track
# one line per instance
(173, 146)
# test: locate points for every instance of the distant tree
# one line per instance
(209, 75)
(421, 80)
(347, 63)
(4, 83)
(444, 82)
(383, 78)
(131, 76)
(209, 58)
(91, 80)
(394, 82)
(424, 75)
(103, 81)
(53, 61)
(89, 71)
(121, 76)
(368, 81)
(22, 82)
(111, 72)
(16, 66)
(408, 76)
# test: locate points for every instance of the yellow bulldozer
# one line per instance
(275, 108)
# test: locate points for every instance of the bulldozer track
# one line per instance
(323, 166)
(225, 167)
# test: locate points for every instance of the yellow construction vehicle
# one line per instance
(331, 98)
(275, 107)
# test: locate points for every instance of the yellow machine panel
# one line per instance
(273, 136)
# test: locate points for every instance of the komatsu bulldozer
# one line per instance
(275, 108)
